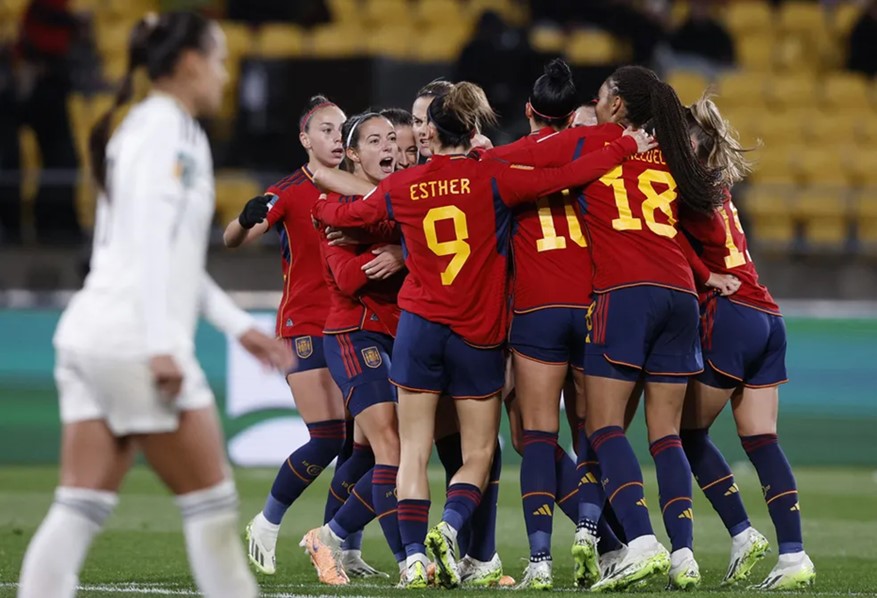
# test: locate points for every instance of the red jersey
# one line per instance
(551, 259)
(719, 241)
(358, 303)
(630, 215)
(305, 303)
(455, 219)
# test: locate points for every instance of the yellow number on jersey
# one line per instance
(653, 201)
(735, 257)
(550, 240)
(458, 247)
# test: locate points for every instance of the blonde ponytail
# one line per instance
(719, 145)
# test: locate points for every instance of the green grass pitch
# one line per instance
(142, 553)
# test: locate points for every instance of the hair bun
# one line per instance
(558, 70)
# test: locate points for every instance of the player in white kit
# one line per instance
(126, 371)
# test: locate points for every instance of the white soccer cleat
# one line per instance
(609, 561)
(354, 566)
(414, 576)
(537, 576)
(645, 558)
(586, 565)
(684, 572)
(792, 572)
(261, 544)
(747, 548)
(480, 573)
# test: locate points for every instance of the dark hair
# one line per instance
(398, 116)
(460, 113)
(435, 88)
(314, 103)
(350, 132)
(157, 42)
(554, 98)
(654, 104)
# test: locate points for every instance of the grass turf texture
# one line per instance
(141, 552)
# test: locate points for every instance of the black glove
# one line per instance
(255, 211)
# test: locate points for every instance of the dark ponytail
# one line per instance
(652, 103)
(554, 98)
(156, 42)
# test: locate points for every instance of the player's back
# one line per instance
(552, 263)
(455, 228)
(720, 242)
(305, 302)
(631, 215)
(158, 154)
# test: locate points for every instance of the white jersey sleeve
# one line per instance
(221, 311)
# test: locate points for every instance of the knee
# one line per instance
(480, 457)
(386, 446)
(694, 438)
(94, 505)
(756, 428)
(328, 436)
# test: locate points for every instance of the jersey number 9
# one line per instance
(458, 247)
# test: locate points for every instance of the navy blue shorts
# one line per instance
(430, 357)
(308, 351)
(644, 331)
(360, 365)
(554, 335)
(741, 345)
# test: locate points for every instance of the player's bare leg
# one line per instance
(93, 465)
(319, 403)
(191, 463)
(756, 411)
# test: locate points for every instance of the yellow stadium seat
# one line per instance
(335, 41)
(279, 41)
(844, 17)
(779, 131)
(547, 39)
(689, 85)
(85, 199)
(594, 46)
(439, 45)
(861, 166)
(745, 16)
(127, 9)
(756, 52)
(448, 12)
(238, 38)
(827, 129)
(845, 91)
(819, 165)
(742, 88)
(746, 121)
(822, 212)
(233, 190)
(391, 42)
(384, 13)
(866, 130)
(801, 17)
(773, 165)
(112, 39)
(864, 211)
(345, 11)
(769, 211)
(791, 91)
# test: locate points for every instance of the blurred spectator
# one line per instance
(704, 36)
(303, 12)
(498, 59)
(41, 84)
(862, 55)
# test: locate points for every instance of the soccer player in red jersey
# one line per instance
(744, 346)
(403, 124)
(642, 324)
(301, 318)
(358, 340)
(455, 219)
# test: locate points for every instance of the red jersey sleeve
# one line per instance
(276, 207)
(346, 267)
(372, 209)
(700, 270)
(519, 184)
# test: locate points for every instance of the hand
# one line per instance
(254, 211)
(725, 284)
(480, 141)
(167, 375)
(388, 262)
(644, 141)
(337, 236)
(272, 352)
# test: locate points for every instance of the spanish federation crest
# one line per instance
(304, 347)
(372, 357)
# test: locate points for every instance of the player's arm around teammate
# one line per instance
(744, 344)
(126, 370)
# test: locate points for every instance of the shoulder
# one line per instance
(510, 151)
(294, 183)
(159, 118)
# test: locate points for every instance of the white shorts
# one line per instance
(122, 392)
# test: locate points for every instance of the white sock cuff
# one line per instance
(94, 505)
(221, 498)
